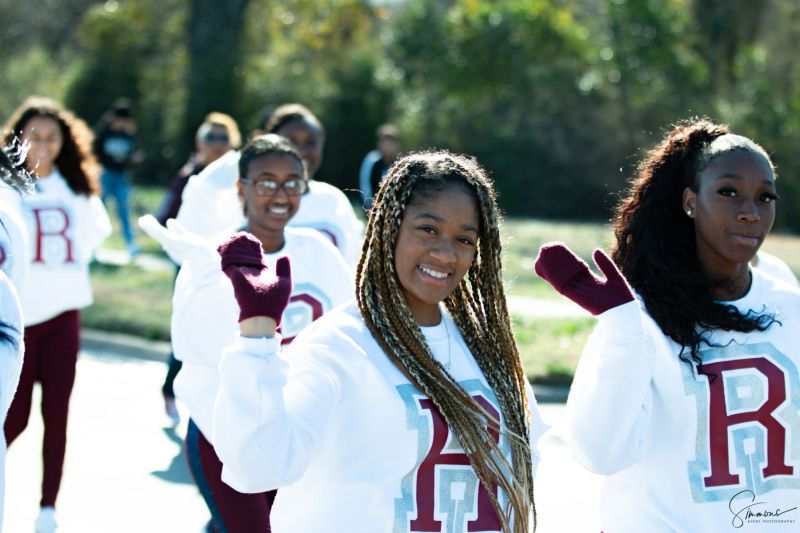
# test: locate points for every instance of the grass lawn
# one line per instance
(521, 241)
(550, 347)
(131, 300)
(144, 200)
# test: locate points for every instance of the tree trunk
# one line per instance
(214, 45)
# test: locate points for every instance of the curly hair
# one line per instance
(76, 162)
(478, 307)
(656, 245)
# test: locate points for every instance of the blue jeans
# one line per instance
(115, 184)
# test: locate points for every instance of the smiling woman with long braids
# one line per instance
(407, 410)
(687, 393)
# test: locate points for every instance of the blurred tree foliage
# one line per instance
(558, 98)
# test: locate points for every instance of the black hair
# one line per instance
(287, 113)
(656, 246)
(265, 145)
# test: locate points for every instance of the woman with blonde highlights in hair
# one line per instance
(407, 410)
(66, 222)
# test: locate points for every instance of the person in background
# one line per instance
(218, 134)
(66, 222)
(14, 178)
(687, 394)
(210, 201)
(377, 162)
(115, 148)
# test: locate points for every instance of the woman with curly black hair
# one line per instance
(687, 394)
(66, 222)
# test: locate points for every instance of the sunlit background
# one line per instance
(556, 97)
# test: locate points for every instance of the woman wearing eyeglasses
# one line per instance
(272, 180)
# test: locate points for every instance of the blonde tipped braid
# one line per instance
(478, 308)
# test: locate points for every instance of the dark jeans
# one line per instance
(115, 184)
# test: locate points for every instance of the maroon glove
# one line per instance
(570, 275)
(257, 290)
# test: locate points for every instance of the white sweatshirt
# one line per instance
(13, 237)
(64, 229)
(205, 313)
(10, 366)
(210, 204)
(352, 445)
(685, 452)
(776, 267)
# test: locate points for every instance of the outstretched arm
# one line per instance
(268, 415)
(610, 400)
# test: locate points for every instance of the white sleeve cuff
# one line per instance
(262, 347)
(622, 322)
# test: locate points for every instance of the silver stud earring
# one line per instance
(689, 212)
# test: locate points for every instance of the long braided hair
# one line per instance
(478, 308)
(656, 247)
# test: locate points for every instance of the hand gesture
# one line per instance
(177, 241)
(258, 291)
(571, 276)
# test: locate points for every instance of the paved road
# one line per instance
(125, 471)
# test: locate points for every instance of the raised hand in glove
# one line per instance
(258, 291)
(571, 276)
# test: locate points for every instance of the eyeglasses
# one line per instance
(292, 187)
(211, 138)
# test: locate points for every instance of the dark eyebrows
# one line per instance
(731, 175)
(269, 174)
(437, 218)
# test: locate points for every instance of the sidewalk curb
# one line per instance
(550, 393)
(127, 345)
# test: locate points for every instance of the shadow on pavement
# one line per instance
(178, 469)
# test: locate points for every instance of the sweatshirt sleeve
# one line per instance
(95, 224)
(204, 311)
(538, 427)
(12, 347)
(14, 245)
(209, 203)
(611, 397)
(269, 416)
(352, 228)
